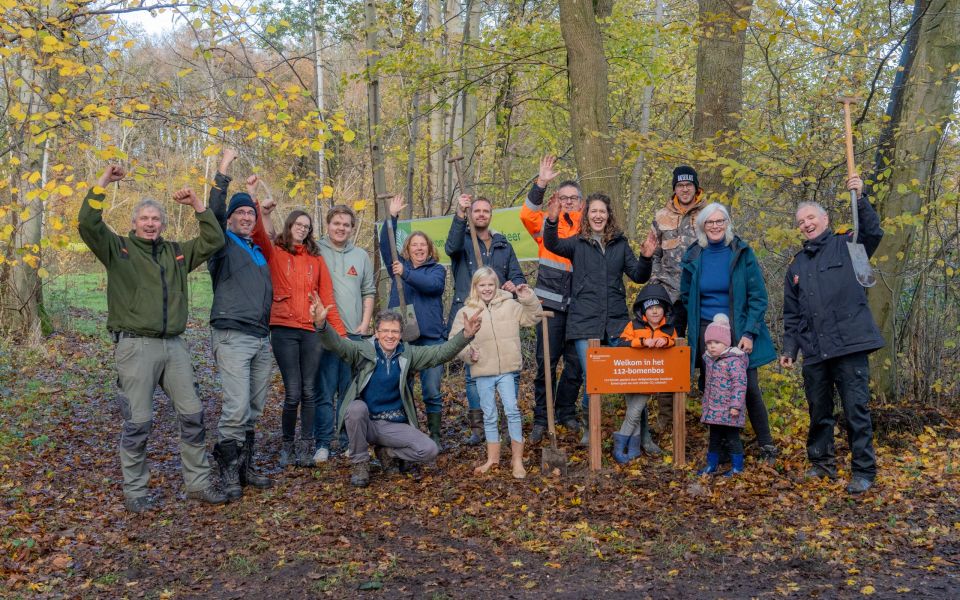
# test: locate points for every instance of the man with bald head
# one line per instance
(826, 317)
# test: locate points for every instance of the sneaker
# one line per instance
(322, 455)
(140, 504)
(537, 433)
(768, 454)
(208, 495)
(360, 477)
(858, 485)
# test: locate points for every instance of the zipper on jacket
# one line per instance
(163, 283)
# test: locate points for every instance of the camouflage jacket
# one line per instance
(675, 233)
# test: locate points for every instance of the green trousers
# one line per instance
(142, 363)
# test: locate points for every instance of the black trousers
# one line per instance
(724, 435)
(850, 376)
(568, 387)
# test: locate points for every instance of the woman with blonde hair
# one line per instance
(495, 358)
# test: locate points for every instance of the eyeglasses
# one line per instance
(567, 198)
(246, 212)
(300, 225)
(715, 223)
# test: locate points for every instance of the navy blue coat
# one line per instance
(748, 301)
(422, 287)
(825, 311)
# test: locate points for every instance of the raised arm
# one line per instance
(458, 228)
(565, 247)
(636, 269)
(221, 181)
(211, 239)
(93, 231)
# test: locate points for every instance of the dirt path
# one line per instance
(646, 530)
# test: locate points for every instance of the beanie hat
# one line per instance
(652, 294)
(651, 302)
(718, 330)
(685, 173)
(241, 199)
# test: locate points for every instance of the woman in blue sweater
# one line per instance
(423, 281)
(720, 274)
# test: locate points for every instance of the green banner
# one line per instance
(505, 221)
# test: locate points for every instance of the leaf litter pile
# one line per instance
(641, 530)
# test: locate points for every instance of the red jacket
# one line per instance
(294, 276)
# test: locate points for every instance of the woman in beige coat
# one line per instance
(495, 358)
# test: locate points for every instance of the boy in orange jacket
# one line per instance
(649, 329)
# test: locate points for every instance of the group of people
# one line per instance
(308, 304)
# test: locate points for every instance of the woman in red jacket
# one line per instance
(297, 269)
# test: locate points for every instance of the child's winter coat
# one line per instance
(499, 337)
(639, 329)
(726, 388)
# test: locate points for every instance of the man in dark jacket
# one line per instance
(826, 317)
(240, 331)
(554, 274)
(496, 253)
(146, 313)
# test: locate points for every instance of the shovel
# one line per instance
(858, 254)
(411, 329)
(552, 460)
(473, 232)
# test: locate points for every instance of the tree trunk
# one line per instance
(719, 91)
(435, 148)
(317, 38)
(469, 125)
(588, 90)
(919, 123)
(373, 98)
(632, 227)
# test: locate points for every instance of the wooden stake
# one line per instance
(594, 419)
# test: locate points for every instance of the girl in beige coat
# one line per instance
(495, 358)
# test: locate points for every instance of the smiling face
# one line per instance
(812, 221)
(300, 229)
(242, 221)
(597, 216)
(715, 226)
(487, 288)
(388, 335)
(339, 229)
(569, 197)
(419, 249)
(686, 192)
(481, 213)
(654, 315)
(715, 348)
(148, 224)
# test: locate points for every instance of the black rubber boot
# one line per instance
(433, 424)
(475, 418)
(287, 454)
(227, 455)
(247, 475)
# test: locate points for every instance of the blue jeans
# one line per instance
(333, 379)
(473, 397)
(506, 384)
(430, 380)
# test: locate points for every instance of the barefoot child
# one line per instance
(724, 395)
(495, 359)
(649, 329)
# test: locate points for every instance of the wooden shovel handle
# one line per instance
(848, 129)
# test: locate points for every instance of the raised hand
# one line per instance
(463, 205)
(318, 312)
(509, 286)
(229, 155)
(397, 268)
(547, 172)
(111, 174)
(267, 206)
(252, 182)
(188, 197)
(650, 244)
(471, 325)
(553, 207)
(855, 184)
(523, 290)
(397, 205)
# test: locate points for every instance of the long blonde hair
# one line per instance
(474, 300)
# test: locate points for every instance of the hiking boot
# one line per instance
(475, 419)
(247, 475)
(304, 455)
(208, 495)
(360, 477)
(768, 454)
(433, 425)
(816, 472)
(858, 485)
(287, 454)
(140, 504)
(572, 424)
(388, 462)
(322, 455)
(537, 433)
(227, 455)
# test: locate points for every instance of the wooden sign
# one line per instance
(638, 370)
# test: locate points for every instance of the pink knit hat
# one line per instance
(718, 330)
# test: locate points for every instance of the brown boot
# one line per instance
(475, 418)
(493, 457)
(516, 460)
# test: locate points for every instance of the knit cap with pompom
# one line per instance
(718, 330)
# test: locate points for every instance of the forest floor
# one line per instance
(642, 530)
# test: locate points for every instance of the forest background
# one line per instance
(342, 101)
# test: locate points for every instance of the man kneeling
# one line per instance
(378, 406)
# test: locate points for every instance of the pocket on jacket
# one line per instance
(855, 324)
(281, 305)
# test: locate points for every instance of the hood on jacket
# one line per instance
(653, 290)
(326, 243)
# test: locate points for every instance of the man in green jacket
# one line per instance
(147, 312)
(378, 405)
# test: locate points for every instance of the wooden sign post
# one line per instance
(638, 371)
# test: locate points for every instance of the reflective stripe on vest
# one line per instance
(556, 264)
